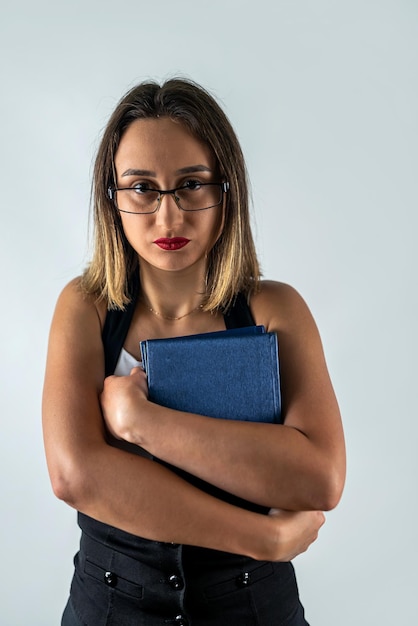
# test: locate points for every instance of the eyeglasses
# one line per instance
(193, 196)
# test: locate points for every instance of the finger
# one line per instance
(322, 519)
(135, 371)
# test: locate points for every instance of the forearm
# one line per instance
(142, 497)
(273, 465)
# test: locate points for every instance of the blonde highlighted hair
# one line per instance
(232, 263)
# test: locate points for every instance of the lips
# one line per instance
(171, 243)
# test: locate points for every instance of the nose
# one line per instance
(169, 214)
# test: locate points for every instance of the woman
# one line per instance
(173, 256)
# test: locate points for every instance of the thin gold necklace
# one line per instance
(172, 319)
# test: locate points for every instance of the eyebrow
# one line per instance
(184, 170)
(193, 168)
(138, 173)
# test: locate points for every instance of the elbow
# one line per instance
(329, 499)
(64, 488)
(330, 489)
(69, 483)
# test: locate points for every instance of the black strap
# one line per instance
(239, 315)
(116, 328)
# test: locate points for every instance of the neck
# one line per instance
(169, 295)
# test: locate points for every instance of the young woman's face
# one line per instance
(163, 154)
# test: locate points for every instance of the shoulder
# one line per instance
(74, 301)
(279, 306)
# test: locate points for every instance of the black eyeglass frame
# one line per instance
(111, 191)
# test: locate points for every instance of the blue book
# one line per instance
(231, 374)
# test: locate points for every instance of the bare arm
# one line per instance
(127, 491)
(296, 466)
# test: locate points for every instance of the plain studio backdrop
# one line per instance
(323, 96)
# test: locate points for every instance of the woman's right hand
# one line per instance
(292, 533)
(122, 401)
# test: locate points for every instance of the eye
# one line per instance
(142, 188)
(193, 185)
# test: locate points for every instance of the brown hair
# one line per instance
(232, 262)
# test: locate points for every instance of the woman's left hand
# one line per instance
(121, 401)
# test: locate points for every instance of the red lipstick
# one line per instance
(171, 243)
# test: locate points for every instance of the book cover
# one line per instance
(231, 374)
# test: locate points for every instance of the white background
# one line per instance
(323, 96)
